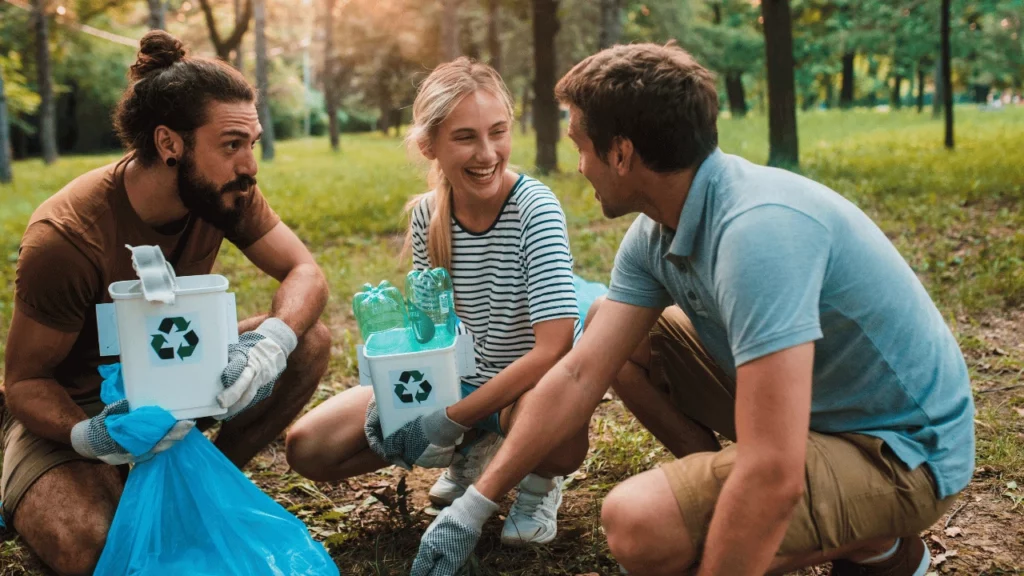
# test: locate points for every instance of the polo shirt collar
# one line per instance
(693, 207)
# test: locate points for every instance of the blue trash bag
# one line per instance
(189, 510)
(586, 293)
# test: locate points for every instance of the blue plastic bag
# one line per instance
(189, 510)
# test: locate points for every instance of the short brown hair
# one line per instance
(170, 88)
(658, 97)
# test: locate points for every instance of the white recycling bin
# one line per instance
(172, 334)
(412, 384)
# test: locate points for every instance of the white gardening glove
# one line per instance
(254, 365)
(448, 542)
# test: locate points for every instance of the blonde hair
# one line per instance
(438, 96)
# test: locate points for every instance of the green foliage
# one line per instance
(22, 101)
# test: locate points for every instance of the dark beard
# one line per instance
(204, 199)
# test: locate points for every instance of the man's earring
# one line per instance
(172, 162)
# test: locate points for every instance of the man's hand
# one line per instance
(254, 365)
(91, 439)
(448, 542)
(428, 441)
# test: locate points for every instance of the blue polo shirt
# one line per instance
(763, 260)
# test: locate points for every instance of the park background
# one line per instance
(909, 108)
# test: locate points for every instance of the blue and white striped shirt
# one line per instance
(513, 275)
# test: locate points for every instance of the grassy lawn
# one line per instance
(955, 216)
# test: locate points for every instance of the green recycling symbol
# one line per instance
(176, 325)
(412, 386)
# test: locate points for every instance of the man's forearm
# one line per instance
(301, 298)
(561, 404)
(748, 525)
(44, 408)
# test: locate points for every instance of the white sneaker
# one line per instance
(533, 518)
(463, 471)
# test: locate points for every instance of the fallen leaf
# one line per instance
(938, 560)
(954, 531)
(1019, 411)
(938, 541)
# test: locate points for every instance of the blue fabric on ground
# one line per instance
(586, 293)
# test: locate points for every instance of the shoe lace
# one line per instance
(528, 503)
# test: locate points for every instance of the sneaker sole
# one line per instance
(440, 501)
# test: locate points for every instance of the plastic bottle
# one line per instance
(381, 310)
(430, 294)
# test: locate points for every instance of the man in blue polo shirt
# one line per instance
(763, 306)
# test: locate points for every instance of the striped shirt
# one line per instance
(506, 279)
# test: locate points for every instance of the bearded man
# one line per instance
(188, 181)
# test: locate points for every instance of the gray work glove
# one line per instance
(427, 441)
(91, 439)
(254, 365)
(448, 542)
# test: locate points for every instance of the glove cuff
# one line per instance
(473, 509)
(282, 335)
(442, 430)
(80, 439)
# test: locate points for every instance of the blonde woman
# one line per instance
(502, 235)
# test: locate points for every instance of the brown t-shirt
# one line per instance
(74, 248)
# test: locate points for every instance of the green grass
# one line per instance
(954, 215)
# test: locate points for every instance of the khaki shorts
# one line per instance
(27, 457)
(857, 488)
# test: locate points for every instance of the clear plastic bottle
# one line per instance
(381, 310)
(430, 294)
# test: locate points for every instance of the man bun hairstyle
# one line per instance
(657, 96)
(157, 50)
(168, 87)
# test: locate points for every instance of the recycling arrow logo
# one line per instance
(412, 386)
(174, 328)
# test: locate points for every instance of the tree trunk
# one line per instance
(330, 93)
(224, 46)
(920, 88)
(611, 24)
(48, 105)
(894, 96)
(5, 138)
(981, 92)
(778, 42)
(545, 108)
(947, 89)
(829, 90)
(937, 98)
(846, 92)
(239, 55)
(524, 119)
(157, 15)
(263, 80)
(494, 34)
(734, 90)
(449, 30)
